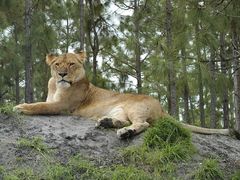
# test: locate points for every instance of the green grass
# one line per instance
(171, 153)
(58, 171)
(166, 131)
(2, 169)
(209, 170)
(128, 173)
(35, 143)
(2, 172)
(77, 168)
(20, 174)
(165, 144)
(7, 108)
(83, 169)
(236, 175)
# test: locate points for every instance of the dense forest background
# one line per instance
(183, 52)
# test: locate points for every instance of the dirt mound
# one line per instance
(70, 135)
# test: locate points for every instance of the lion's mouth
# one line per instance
(65, 81)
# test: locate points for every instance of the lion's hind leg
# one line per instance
(108, 122)
(139, 116)
(130, 131)
(116, 118)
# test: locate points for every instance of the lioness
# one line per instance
(69, 90)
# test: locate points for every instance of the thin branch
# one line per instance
(146, 56)
(124, 8)
(195, 58)
(120, 71)
(121, 61)
(3, 94)
(226, 5)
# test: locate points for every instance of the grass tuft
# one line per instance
(171, 153)
(129, 173)
(58, 171)
(209, 170)
(165, 144)
(19, 174)
(236, 175)
(35, 143)
(166, 131)
(83, 169)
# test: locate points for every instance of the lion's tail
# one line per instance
(201, 130)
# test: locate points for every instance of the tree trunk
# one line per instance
(81, 28)
(28, 52)
(201, 99)
(137, 46)
(94, 80)
(200, 84)
(236, 75)
(213, 91)
(17, 88)
(185, 90)
(67, 36)
(93, 41)
(192, 110)
(16, 68)
(171, 69)
(225, 99)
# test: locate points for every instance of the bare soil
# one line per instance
(71, 135)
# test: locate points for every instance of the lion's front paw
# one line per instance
(125, 133)
(22, 108)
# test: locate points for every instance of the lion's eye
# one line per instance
(71, 64)
(57, 64)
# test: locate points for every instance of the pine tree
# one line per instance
(225, 92)
(172, 100)
(28, 52)
(236, 70)
(81, 28)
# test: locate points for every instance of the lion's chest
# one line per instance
(60, 94)
(57, 96)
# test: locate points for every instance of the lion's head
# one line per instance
(67, 68)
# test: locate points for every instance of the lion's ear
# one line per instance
(81, 56)
(50, 58)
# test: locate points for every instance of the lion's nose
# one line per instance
(62, 74)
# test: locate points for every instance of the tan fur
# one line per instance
(131, 113)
